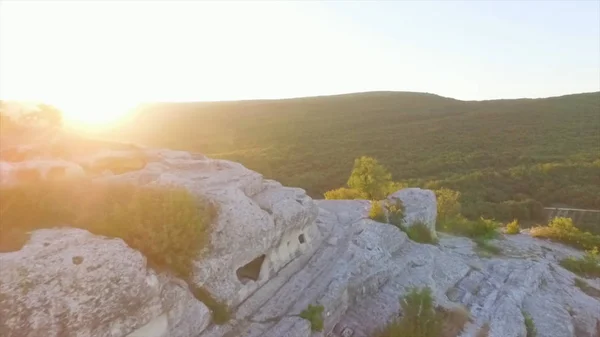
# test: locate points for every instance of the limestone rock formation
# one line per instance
(420, 207)
(273, 252)
(68, 282)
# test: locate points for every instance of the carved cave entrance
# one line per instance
(250, 271)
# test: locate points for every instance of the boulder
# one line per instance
(420, 206)
(68, 282)
(261, 225)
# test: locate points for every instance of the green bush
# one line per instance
(395, 212)
(529, 325)
(376, 212)
(562, 230)
(314, 314)
(513, 227)
(344, 194)
(419, 232)
(588, 266)
(448, 205)
(420, 318)
(481, 228)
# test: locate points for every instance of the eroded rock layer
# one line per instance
(273, 252)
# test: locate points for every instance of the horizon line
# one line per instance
(267, 99)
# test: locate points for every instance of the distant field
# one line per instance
(500, 154)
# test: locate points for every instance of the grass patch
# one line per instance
(419, 232)
(393, 212)
(563, 230)
(588, 266)
(586, 288)
(168, 225)
(220, 312)
(420, 318)
(314, 314)
(529, 325)
(458, 225)
(513, 227)
(486, 247)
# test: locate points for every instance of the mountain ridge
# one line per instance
(424, 139)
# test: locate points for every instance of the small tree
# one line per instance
(370, 177)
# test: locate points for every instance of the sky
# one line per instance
(112, 54)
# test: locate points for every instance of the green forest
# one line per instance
(507, 158)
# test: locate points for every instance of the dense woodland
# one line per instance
(508, 158)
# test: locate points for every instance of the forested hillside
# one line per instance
(504, 156)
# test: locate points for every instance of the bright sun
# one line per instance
(93, 113)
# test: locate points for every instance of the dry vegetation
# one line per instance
(168, 225)
(420, 318)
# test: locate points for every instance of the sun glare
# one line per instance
(93, 113)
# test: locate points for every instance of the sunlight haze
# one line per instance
(96, 60)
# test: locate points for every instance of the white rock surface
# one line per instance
(310, 252)
(68, 282)
(420, 207)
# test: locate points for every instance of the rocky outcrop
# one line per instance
(420, 207)
(68, 282)
(273, 252)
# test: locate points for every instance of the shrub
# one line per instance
(395, 212)
(513, 227)
(419, 315)
(484, 228)
(481, 228)
(588, 266)
(314, 314)
(448, 205)
(529, 325)
(376, 212)
(562, 230)
(168, 225)
(419, 232)
(344, 194)
(420, 318)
